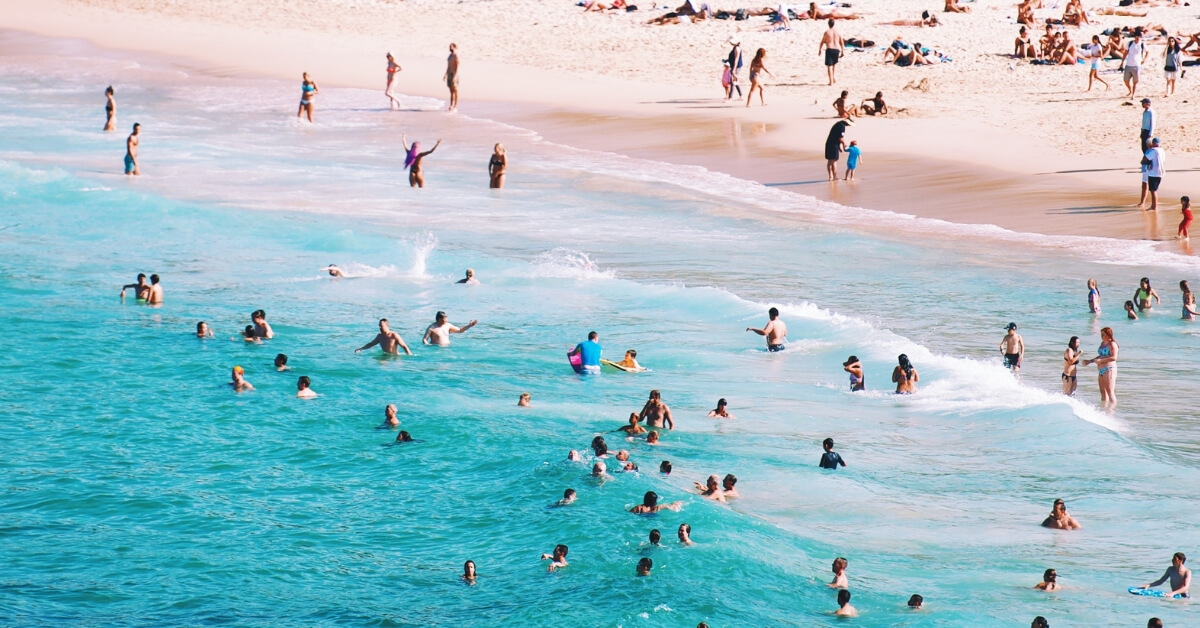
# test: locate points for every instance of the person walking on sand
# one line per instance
(1106, 360)
(735, 67)
(853, 156)
(1131, 63)
(1185, 207)
(831, 45)
(387, 340)
(1013, 348)
(451, 76)
(775, 331)
(1153, 161)
(392, 69)
(412, 160)
(1148, 120)
(132, 167)
(110, 109)
(308, 93)
(1172, 63)
(835, 144)
(756, 71)
(497, 167)
(1095, 54)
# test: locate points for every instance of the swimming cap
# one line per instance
(238, 369)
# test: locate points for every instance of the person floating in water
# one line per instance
(650, 505)
(634, 428)
(525, 400)
(389, 417)
(281, 364)
(905, 376)
(387, 340)
(721, 411)
(844, 608)
(854, 367)
(915, 602)
(775, 331)
(630, 362)
(470, 279)
(439, 332)
(1013, 348)
(644, 566)
(239, 382)
(685, 534)
(334, 271)
(303, 390)
(830, 459)
(203, 330)
(469, 572)
(1049, 581)
(1180, 577)
(712, 489)
(1060, 519)
(568, 498)
(132, 166)
(589, 352)
(1130, 311)
(558, 559)
(412, 160)
(141, 288)
(656, 413)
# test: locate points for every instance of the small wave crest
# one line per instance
(567, 263)
(423, 247)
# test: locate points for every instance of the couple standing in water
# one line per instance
(904, 375)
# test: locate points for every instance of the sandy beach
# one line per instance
(992, 140)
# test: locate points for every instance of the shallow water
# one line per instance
(141, 491)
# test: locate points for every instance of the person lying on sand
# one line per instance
(597, 6)
(815, 13)
(874, 106)
(912, 56)
(952, 6)
(927, 19)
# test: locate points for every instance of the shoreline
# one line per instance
(994, 179)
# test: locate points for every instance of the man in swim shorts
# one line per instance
(131, 151)
(439, 332)
(1153, 161)
(1013, 348)
(387, 340)
(451, 76)
(589, 352)
(832, 44)
(775, 331)
(1135, 53)
(1180, 577)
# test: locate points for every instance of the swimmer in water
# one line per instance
(568, 498)
(644, 566)
(302, 388)
(239, 382)
(599, 447)
(262, 328)
(387, 340)
(650, 505)
(404, 437)
(685, 534)
(1012, 346)
(720, 412)
(525, 401)
(1180, 577)
(652, 438)
(665, 467)
(712, 490)
(558, 559)
(630, 361)
(634, 428)
(600, 470)
(203, 330)
(1093, 297)
(334, 271)
(389, 416)
(905, 376)
(1060, 519)
(830, 459)
(1189, 307)
(775, 331)
(1049, 581)
(840, 581)
(248, 335)
(655, 538)
(623, 455)
(844, 608)
(469, 572)
(915, 602)
(413, 159)
(470, 279)
(155, 296)
(110, 109)
(141, 288)
(573, 456)
(439, 332)
(1130, 312)
(1070, 377)
(1144, 294)
(656, 413)
(1039, 622)
(854, 367)
(729, 485)
(281, 363)
(630, 466)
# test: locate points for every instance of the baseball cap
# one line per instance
(1011, 326)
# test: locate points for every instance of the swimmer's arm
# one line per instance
(428, 333)
(1166, 576)
(711, 413)
(459, 330)
(669, 419)
(1155, 295)
(402, 344)
(404, 136)
(368, 345)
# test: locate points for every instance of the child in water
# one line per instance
(854, 155)
(630, 362)
(1129, 311)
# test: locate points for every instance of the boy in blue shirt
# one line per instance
(831, 459)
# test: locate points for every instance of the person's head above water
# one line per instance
(827, 444)
(773, 313)
(383, 324)
(303, 382)
(440, 317)
(469, 566)
(655, 536)
(248, 332)
(644, 566)
(599, 469)
(1039, 622)
(721, 403)
(470, 273)
(1049, 575)
(599, 446)
(154, 279)
(843, 597)
(652, 437)
(1011, 327)
(665, 467)
(729, 481)
(403, 437)
(915, 601)
(839, 564)
(280, 360)
(650, 499)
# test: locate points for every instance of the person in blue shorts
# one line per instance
(855, 153)
(131, 152)
(589, 353)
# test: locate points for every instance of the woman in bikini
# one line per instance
(392, 69)
(497, 167)
(1106, 360)
(1023, 47)
(308, 91)
(843, 110)
(1070, 379)
(905, 376)
(110, 107)
(1144, 293)
(874, 106)
(756, 70)
(413, 159)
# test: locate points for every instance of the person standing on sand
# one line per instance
(132, 167)
(1153, 161)
(497, 167)
(451, 76)
(413, 158)
(1148, 120)
(756, 71)
(392, 69)
(1172, 63)
(1131, 63)
(735, 66)
(308, 92)
(775, 331)
(832, 45)
(1106, 360)
(110, 108)
(834, 145)
(853, 156)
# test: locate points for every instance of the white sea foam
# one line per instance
(567, 263)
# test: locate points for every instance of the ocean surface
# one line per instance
(139, 490)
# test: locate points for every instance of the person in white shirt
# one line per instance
(1132, 63)
(1153, 161)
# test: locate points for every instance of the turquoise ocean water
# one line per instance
(138, 490)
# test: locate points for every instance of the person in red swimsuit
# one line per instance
(1186, 207)
(392, 69)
